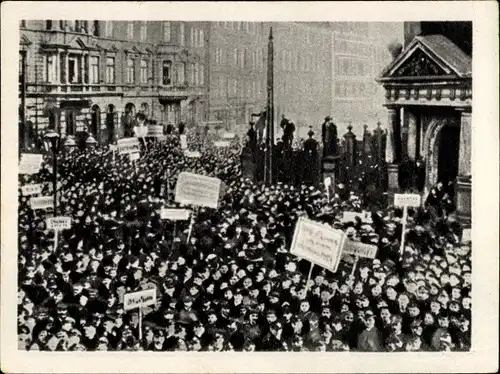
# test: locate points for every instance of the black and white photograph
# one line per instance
(245, 185)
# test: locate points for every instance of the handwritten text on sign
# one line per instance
(359, 249)
(351, 216)
(155, 130)
(411, 200)
(192, 154)
(228, 135)
(194, 189)
(129, 145)
(31, 189)
(175, 214)
(139, 299)
(42, 202)
(318, 243)
(58, 223)
(30, 163)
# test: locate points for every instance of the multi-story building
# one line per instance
(320, 69)
(95, 75)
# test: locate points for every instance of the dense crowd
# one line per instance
(232, 285)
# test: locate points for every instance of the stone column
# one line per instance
(463, 197)
(391, 155)
(404, 133)
(412, 134)
(66, 68)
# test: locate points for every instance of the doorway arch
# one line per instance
(127, 120)
(110, 123)
(442, 143)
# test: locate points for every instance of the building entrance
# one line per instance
(449, 144)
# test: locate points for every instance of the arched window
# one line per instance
(48, 25)
(95, 123)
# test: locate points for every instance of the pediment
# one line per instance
(24, 40)
(429, 57)
(77, 43)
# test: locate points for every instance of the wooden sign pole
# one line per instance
(309, 277)
(356, 258)
(140, 323)
(56, 235)
(405, 217)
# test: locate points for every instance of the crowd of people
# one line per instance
(230, 283)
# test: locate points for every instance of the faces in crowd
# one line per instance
(233, 285)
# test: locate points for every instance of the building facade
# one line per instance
(95, 76)
(428, 98)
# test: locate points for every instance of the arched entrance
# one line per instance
(95, 120)
(110, 123)
(442, 151)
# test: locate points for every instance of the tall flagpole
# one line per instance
(270, 110)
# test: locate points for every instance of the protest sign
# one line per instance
(128, 145)
(30, 163)
(175, 214)
(42, 202)
(228, 135)
(155, 130)
(328, 182)
(411, 200)
(405, 201)
(59, 223)
(317, 243)
(31, 189)
(222, 144)
(139, 299)
(184, 144)
(359, 249)
(197, 190)
(134, 156)
(192, 154)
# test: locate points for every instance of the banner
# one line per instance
(42, 202)
(128, 145)
(411, 200)
(192, 154)
(184, 144)
(30, 163)
(155, 130)
(318, 243)
(222, 144)
(359, 249)
(175, 214)
(59, 223)
(194, 189)
(31, 189)
(228, 135)
(139, 299)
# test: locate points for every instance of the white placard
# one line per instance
(194, 189)
(42, 202)
(31, 189)
(59, 223)
(184, 144)
(155, 130)
(317, 243)
(228, 135)
(128, 145)
(30, 163)
(192, 154)
(141, 131)
(222, 143)
(411, 200)
(359, 249)
(134, 156)
(175, 214)
(466, 235)
(328, 182)
(139, 299)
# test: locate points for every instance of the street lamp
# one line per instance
(52, 142)
(91, 142)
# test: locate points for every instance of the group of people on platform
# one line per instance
(230, 283)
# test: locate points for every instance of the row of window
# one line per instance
(77, 69)
(300, 61)
(197, 35)
(231, 87)
(249, 27)
(240, 57)
(350, 66)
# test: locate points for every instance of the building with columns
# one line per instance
(95, 75)
(428, 97)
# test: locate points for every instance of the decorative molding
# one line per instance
(419, 64)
